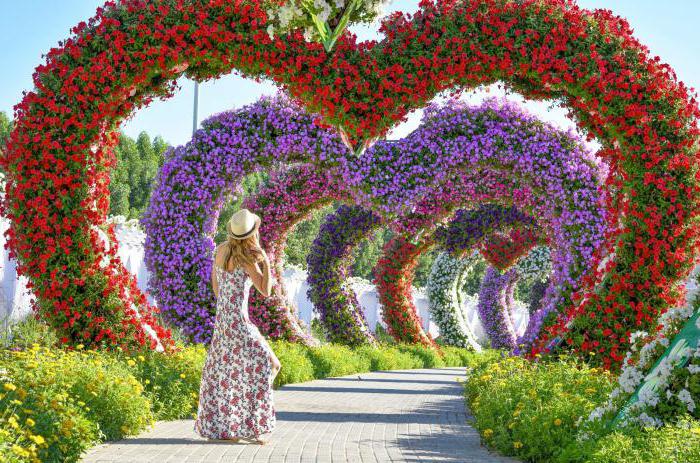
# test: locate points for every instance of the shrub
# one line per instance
(170, 380)
(388, 358)
(296, 365)
(335, 360)
(452, 356)
(429, 357)
(112, 397)
(669, 444)
(28, 332)
(41, 419)
(531, 409)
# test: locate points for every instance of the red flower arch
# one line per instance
(60, 153)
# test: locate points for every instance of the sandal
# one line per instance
(234, 440)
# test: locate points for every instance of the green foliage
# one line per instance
(530, 409)
(428, 356)
(5, 129)
(28, 332)
(368, 252)
(472, 281)
(336, 360)
(296, 365)
(388, 358)
(669, 444)
(138, 162)
(249, 184)
(300, 239)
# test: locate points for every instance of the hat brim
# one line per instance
(247, 234)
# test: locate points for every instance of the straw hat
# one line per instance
(242, 224)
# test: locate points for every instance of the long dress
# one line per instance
(235, 396)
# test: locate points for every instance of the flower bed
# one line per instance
(533, 411)
(192, 187)
(54, 403)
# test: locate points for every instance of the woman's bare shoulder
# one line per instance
(219, 253)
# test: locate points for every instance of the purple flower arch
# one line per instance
(195, 182)
(464, 155)
(328, 266)
(495, 305)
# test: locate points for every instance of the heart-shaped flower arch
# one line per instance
(470, 230)
(461, 156)
(194, 183)
(60, 152)
(443, 291)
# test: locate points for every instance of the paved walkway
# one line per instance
(413, 416)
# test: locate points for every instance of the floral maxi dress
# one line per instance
(235, 397)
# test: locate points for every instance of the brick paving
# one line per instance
(396, 416)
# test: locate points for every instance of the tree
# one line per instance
(138, 163)
(250, 183)
(5, 129)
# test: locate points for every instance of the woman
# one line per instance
(235, 397)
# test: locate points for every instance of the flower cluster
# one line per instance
(328, 263)
(502, 250)
(60, 152)
(443, 291)
(536, 266)
(676, 389)
(287, 198)
(495, 305)
(195, 182)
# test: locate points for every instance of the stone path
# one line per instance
(397, 416)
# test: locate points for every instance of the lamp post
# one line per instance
(196, 107)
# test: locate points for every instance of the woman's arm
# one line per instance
(261, 276)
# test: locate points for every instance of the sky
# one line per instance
(29, 28)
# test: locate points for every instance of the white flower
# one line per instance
(308, 34)
(271, 31)
(685, 397)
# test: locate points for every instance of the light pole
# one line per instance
(196, 107)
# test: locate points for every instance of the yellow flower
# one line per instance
(148, 381)
(557, 422)
(182, 375)
(131, 363)
(39, 440)
(517, 444)
(9, 387)
(19, 451)
(80, 347)
(488, 433)
(141, 358)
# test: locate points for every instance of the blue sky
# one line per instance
(29, 28)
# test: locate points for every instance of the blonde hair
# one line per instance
(239, 253)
